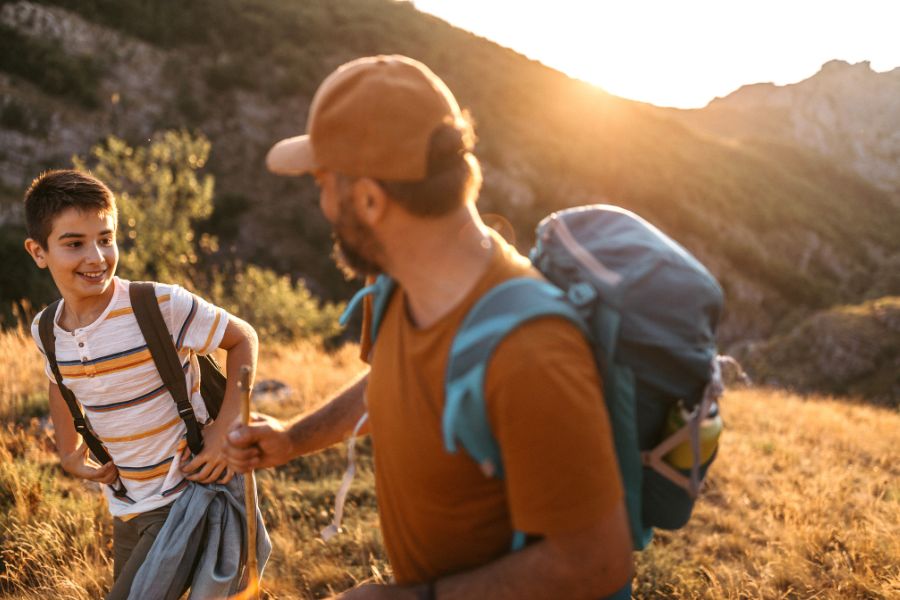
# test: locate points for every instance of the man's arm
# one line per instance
(267, 442)
(591, 563)
(72, 456)
(241, 344)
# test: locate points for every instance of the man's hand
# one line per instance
(78, 464)
(264, 442)
(210, 465)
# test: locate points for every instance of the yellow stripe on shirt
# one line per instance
(128, 310)
(160, 471)
(105, 367)
(143, 434)
(211, 332)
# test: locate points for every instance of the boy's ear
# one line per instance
(369, 200)
(37, 252)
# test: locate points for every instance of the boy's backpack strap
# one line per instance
(380, 290)
(496, 314)
(162, 349)
(48, 340)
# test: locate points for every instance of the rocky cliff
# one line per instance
(848, 113)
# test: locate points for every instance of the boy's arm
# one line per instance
(72, 456)
(267, 442)
(242, 344)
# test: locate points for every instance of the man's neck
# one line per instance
(438, 263)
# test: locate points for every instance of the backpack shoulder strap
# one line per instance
(494, 316)
(162, 348)
(48, 340)
(381, 291)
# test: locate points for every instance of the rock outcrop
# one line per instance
(848, 113)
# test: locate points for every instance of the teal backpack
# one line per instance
(649, 310)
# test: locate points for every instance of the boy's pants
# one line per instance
(132, 540)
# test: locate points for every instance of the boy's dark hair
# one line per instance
(454, 175)
(52, 192)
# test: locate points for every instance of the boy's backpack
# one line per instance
(165, 357)
(649, 310)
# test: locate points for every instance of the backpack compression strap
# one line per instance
(162, 349)
(494, 316)
(48, 340)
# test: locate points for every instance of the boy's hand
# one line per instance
(210, 465)
(263, 443)
(78, 464)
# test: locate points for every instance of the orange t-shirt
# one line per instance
(439, 513)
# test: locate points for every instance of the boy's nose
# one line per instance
(95, 253)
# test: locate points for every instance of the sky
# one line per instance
(684, 53)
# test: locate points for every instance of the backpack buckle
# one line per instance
(581, 294)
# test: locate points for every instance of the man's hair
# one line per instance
(453, 177)
(53, 192)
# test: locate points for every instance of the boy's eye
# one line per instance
(73, 244)
(107, 241)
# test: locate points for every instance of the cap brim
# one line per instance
(292, 156)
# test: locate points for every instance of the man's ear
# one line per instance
(369, 200)
(37, 252)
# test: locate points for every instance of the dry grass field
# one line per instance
(804, 501)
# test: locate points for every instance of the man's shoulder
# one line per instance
(542, 340)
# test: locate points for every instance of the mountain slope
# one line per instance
(784, 231)
(847, 113)
(847, 350)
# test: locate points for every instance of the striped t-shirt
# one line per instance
(108, 367)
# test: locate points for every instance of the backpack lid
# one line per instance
(669, 304)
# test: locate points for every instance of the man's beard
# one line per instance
(355, 259)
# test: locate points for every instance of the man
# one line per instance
(391, 152)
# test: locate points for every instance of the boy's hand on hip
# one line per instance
(210, 465)
(78, 464)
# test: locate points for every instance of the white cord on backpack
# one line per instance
(332, 530)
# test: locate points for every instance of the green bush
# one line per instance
(277, 308)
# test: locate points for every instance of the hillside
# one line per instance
(847, 350)
(803, 501)
(846, 113)
(785, 232)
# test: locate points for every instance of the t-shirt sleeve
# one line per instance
(35, 333)
(545, 406)
(196, 324)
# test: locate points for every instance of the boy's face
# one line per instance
(81, 253)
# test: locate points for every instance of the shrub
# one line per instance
(276, 307)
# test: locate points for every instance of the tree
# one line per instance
(160, 194)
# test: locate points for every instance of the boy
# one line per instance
(104, 360)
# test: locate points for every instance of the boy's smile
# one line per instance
(82, 256)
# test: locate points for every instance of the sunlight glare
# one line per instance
(683, 53)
